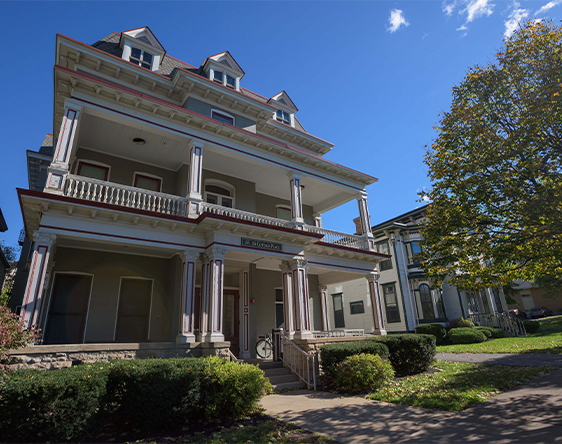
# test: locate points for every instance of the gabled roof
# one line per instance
(401, 220)
(3, 226)
(226, 59)
(145, 35)
(284, 100)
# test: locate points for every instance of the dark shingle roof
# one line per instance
(47, 145)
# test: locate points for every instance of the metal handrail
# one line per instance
(230, 357)
(511, 325)
(301, 363)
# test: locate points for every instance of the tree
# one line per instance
(495, 212)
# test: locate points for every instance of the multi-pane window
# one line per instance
(426, 302)
(472, 302)
(391, 303)
(497, 299)
(437, 295)
(230, 81)
(218, 76)
(218, 195)
(283, 117)
(414, 248)
(485, 303)
(141, 58)
(356, 307)
(221, 117)
(382, 247)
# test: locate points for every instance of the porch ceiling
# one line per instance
(113, 247)
(114, 137)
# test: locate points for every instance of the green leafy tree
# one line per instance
(495, 212)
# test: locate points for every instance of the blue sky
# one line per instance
(370, 77)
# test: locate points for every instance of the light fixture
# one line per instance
(302, 187)
(139, 141)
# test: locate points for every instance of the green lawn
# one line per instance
(547, 340)
(456, 385)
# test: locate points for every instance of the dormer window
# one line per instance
(222, 117)
(141, 58)
(283, 117)
(218, 76)
(230, 82)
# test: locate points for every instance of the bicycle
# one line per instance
(264, 346)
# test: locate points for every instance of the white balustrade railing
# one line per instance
(245, 215)
(301, 363)
(339, 238)
(338, 333)
(116, 194)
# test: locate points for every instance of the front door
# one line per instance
(68, 309)
(338, 311)
(133, 314)
(230, 319)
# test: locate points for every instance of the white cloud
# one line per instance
(478, 8)
(425, 198)
(516, 17)
(448, 8)
(548, 6)
(396, 20)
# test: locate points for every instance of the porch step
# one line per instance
(277, 371)
(279, 376)
(266, 365)
(289, 385)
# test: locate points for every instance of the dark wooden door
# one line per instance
(68, 310)
(133, 314)
(338, 311)
(231, 319)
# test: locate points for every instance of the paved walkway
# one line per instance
(531, 413)
(520, 359)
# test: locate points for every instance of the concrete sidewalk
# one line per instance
(515, 359)
(531, 413)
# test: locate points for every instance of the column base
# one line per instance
(245, 355)
(185, 338)
(379, 332)
(211, 337)
(303, 335)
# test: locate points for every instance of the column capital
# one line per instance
(362, 195)
(44, 238)
(373, 276)
(294, 174)
(73, 104)
(285, 266)
(215, 253)
(196, 142)
(189, 255)
(298, 262)
(323, 287)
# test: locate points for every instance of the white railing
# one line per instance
(244, 215)
(229, 356)
(301, 363)
(338, 238)
(511, 325)
(338, 333)
(116, 194)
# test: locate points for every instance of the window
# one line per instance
(437, 295)
(472, 302)
(222, 117)
(413, 250)
(279, 316)
(425, 302)
(219, 195)
(382, 247)
(284, 213)
(283, 117)
(141, 58)
(230, 81)
(339, 321)
(356, 307)
(218, 76)
(497, 299)
(147, 182)
(485, 303)
(92, 170)
(391, 303)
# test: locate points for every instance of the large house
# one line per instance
(171, 204)
(409, 297)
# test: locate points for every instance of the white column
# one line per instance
(58, 170)
(374, 292)
(317, 220)
(212, 300)
(324, 307)
(289, 309)
(296, 198)
(194, 184)
(187, 313)
(245, 314)
(33, 295)
(365, 221)
(300, 298)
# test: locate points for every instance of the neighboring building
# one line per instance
(173, 204)
(4, 264)
(528, 296)
(408, 295)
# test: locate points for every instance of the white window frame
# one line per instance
(283, 121)
(218, 111)
(96, 163)
(222, 184)
(152, 176)
(134, 59)
(119, 297)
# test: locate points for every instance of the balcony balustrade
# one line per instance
(100, 191)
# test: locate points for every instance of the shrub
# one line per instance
(497, 333)
(532, 326)
(410, 353)
(466, 336)
(485, 330)
(465, 323)
(332, 354)
(363, 372)
(13, 334)
(436, 330)
(59, 405)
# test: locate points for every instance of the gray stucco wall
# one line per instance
(203, 108)
(245, 191)
(267, 205)
(107, 269)
(123, 170)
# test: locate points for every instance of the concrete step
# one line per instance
(266, 365)
(289, 385)
(283, 378)
(277, 371)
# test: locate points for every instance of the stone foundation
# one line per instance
(313, 345)
(50, 357)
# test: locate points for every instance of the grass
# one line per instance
(454, 386)
(547, 340)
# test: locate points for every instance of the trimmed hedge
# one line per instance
(495, 333)
(436, 330)
(485, 330)
(363, 372)
(410, 353)
(66, 404)
(466, 336)
(532, 326)
(333, 354)
(464, 323)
